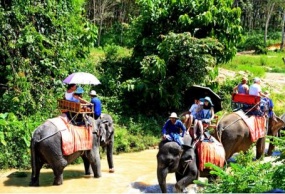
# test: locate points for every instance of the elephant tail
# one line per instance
(33, 156)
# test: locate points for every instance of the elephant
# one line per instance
(172, 158)
(106, 126)
(275, 125)
(46, 148)
(234, 134)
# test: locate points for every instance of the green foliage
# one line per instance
(278, 180)
(253, 42)
(244, 176)
(186, 41)
(15, 138)
(126, 141)
(41, 43)
(118, 34)
(179, 55)
(214, 19)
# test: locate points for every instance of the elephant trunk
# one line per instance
(161, 177)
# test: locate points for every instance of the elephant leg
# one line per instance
(183, 183)
(185, 179)
(86, 165)
(260, 147)
(36, 174)
(271, 147)
(58, 175)
(94, 159)
(161, 177)
(110, 157)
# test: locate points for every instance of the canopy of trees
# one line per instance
(174, 44)
(40, 43)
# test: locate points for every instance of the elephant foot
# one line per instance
(57, 182)
(111, 170)
(34, 184)
(178, 189)
(97, 176)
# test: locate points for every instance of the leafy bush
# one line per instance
(244, 176)
(254, 42)
(15, 138)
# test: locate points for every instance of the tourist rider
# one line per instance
(242, 88)
(205, 114)
(171, 129)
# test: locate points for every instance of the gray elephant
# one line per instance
(234, 134)
(275, 125)
(106, 126)
(172, 158)
(46, 149)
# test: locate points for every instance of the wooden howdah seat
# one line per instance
(75, 110)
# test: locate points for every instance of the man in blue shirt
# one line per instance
(97, 104)
(171, 129)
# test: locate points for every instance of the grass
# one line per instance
(258, 65)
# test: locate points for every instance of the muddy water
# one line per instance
(134, 173)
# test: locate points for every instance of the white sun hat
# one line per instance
(173, 115)
(93, 93)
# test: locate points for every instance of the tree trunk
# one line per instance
(269, 13)
(283, 33)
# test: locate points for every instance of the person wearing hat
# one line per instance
(242, 88)
(77, 96)
(255, 88)
(171, 129)
(96, 103)
(267, 103)
(204, 115)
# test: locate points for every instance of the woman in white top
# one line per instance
(70, 91)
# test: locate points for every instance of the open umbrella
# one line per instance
(81, 78)
(197, 91)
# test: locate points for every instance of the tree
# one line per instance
(110, 16)
(41, 42)
(164, 62)
(99, 12)
(269, 10)
(282, 29)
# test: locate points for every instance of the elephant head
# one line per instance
(274, 126)
(105, 131)
(172, 158)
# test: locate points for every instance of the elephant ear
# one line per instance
(94, 124)
(186, 147)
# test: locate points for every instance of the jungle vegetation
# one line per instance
(145, 53)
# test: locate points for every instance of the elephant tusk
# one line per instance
(186, 161)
